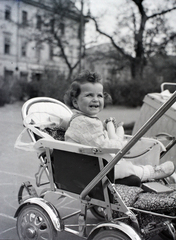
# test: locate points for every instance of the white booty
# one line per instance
(163, 170)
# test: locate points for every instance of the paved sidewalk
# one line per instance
(15, 167)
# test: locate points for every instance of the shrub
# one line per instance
(4, 93)
(131, 93)
(53, 84)
(3, 97)
(32, 89)
(18, 90)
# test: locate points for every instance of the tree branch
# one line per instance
(170, 38)
(110, 37)
(161, 13)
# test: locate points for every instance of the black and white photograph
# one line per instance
(87, 120)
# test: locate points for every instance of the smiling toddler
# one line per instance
(86, 98)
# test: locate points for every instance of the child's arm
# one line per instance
(111, 130)
(115, 131)
(120, 130)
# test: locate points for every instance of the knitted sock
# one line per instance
(148, 172)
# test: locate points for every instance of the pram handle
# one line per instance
(166, 83)
(164, 136)
(130, 144)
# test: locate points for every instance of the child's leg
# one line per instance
(125, 168)
(158, 172)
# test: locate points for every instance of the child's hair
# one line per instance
(75, 89)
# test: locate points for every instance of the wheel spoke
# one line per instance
(34, 224)
(26, 218)
(32, 217)
(43, 235)
(38, 221)
(43, 230)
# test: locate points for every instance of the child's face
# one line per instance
(91, 99)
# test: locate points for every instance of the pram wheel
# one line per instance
(111, 234)
(34, 223)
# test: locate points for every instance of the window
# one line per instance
(7, 13)
(39, 22)
(7, 44)
(36, 76)
(23, 76)
(24, 17)
(8, 75)
(23, 49)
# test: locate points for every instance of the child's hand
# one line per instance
(120, 124)
(111, 119)
(120, 130)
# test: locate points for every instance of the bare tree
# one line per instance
(147, 32)
(59, 27)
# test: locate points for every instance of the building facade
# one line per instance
(26, 47)
(106, 60)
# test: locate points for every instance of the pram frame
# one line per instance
(131, 143)
(25, 108)
(87, 202)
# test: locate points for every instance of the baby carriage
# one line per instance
(87, 173)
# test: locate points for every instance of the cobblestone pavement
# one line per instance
(17, 166)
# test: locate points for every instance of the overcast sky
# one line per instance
(109, 10)
(106, 9)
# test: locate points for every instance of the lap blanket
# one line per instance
(137, 198)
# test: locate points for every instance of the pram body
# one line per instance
(87, 173)
(166, 123)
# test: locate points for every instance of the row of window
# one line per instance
(24, 20)
(7, 39)
(7, 15)
(7, 48)
(8, 75)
